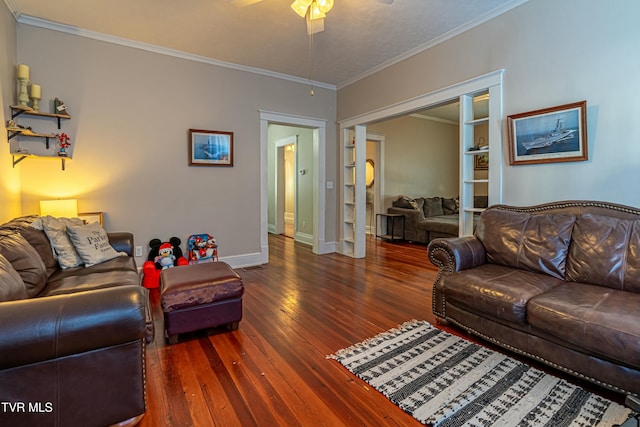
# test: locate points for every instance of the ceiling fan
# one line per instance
(314, 11)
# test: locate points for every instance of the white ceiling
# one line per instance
(361, 36)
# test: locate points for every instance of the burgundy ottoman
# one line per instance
(200, 296)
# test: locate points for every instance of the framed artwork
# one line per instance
(91, 217)
(556, 134)
(210, 148)
(481, 162)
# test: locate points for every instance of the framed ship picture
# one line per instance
(556, 134)
(210, 148)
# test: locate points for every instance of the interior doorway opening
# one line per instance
(374, 179)
(353, 160)
(313, 173)
(289, 190)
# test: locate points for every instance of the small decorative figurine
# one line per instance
(59, 107)
(165, 256)
(212, 248)
(64, 142)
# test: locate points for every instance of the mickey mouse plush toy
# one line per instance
(162, 255)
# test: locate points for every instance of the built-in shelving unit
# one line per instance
(20, 154)
(489, 184)
(353, 178)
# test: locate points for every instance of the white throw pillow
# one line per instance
(56, 230)
(92, 243)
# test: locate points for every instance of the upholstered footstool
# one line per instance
(200, 296)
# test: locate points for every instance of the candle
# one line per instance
(23, 71)
(35, 91)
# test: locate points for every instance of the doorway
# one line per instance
(285, 191)
(290, 190)
(374, 178)
(353, 141)
(316, 175)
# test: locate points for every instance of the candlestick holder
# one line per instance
(23, 98)
(36, 103)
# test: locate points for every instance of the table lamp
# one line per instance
(59, 208)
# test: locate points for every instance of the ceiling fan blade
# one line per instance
(314, 25)
(243, 3)
(385, 1)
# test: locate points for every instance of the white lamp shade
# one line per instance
(59, 208)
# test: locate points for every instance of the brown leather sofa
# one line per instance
(72, 350)
(558, 282)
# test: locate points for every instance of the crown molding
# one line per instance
(68, 29)
(12, 8)
(446, 36)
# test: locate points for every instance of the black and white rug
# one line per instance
(444, 380)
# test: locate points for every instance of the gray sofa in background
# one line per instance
(428, 218)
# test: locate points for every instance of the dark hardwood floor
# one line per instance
(273, 370)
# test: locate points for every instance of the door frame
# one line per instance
(319, 127)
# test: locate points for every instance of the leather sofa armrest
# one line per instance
(40, 329)
(458, 253)
(122, 241)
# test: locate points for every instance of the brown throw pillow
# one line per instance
(11, 285)
(25, 260)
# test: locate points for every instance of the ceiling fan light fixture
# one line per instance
(324, 5)
(315, 8)
(315, 12)
(300, 7)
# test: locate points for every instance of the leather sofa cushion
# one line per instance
(11, 285)
(497, 291)
(606, 252)
(89, 282)
(25, 260)
(601, 320)
(115, 272)
(538, 243)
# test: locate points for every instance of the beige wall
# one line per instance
(131, 113)
(420, 158)
(553, 52)
(9, 177)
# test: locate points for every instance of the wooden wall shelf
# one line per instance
(17, 110)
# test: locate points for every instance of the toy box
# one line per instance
(202, 248)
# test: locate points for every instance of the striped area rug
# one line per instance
(444, 380)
